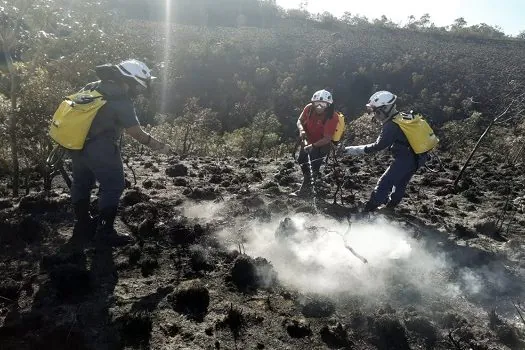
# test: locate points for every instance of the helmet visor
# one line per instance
(321, 104)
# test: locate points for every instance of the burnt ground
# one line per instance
(225, 259)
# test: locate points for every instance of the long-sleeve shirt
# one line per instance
(392, 137)
(117, 114)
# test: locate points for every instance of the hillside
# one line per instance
(224, 258)
(441, 273)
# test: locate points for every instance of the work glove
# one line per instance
(308, 148)
(166, 149)
(355, 150)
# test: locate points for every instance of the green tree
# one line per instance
(35, 37)
(424, 21)
(487, 31)
(459, 23)
(264, 132)
(22, 23)
(194, 126)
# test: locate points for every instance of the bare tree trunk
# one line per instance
(12, 124)
(477, 145)
(185, 143)
(260, 145)
(14, 149)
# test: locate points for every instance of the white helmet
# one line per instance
(137, 71)
(323, 95)
(381, 100)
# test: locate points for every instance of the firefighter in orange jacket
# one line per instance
(317, 124)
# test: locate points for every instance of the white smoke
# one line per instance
(400, 268)
(205, 210)
(315, 260)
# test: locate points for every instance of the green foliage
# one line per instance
(193, 133)
(190, 132)
(49, 49)
(362, 130)
(249, 66)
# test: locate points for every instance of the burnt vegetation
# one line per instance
(232, 81)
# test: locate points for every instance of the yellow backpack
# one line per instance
(340, 129)
(420, 135)
(73, 117)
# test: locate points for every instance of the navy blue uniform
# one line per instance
(392, 184)
(100, 158)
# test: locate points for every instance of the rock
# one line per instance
(244, 273)
(135, 329)
(170, 329)
(318, 307)
(215, 179)
(38, 202)
(253, 201)
(488, 228)
(134, 254)
(199, 259)
(286, 180)
(463, 231)
(266, 275)
(158, 185)
(297, 328)
(389, 333)
(257, 176)
(182, 232)
(206, 193)
(286, 229)
(289, 165)
(424, 328)
(180, 181)
(270, 184)
(134, 196)
(147, 265)
(146, 228)
(335, 336)
(472, 196)
(177, 170)
(191, 298)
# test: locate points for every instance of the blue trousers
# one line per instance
(392, 185)
(99, 161)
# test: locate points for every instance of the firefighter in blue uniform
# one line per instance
(391, 186)
(100, 158)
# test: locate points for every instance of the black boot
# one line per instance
(370, 207)
(305, 190)
(391, 205)
(85, 225)
(106, 233)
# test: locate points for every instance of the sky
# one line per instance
(508, 14)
